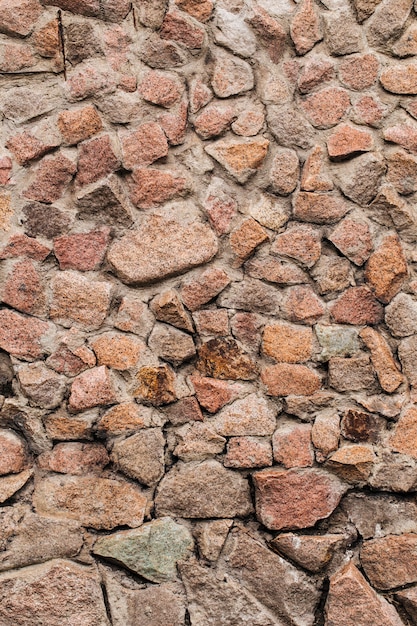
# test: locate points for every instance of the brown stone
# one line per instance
(150, 187)
(106, 199)
(156, 385)
(93, 387)
(181, 29)
(401, 79)
(144, 146)
(299, 242)
(402, 172)
(42, 386)
(312, 552)
(386, 368)
(141, 456)
(316, 70)
(167, 307)
(224, 359)
(203, 490)
(247, 453)
(359, 426)
(325, 434)
(342, 34)
(406, 45)
(18, 17)
(287, 344)
(289, 126)
(249, 416)
(96, 159)
(206, 287)
(22, 245)
(213, 394)
(24, 337)
(160, 248)
(24, 289)
(319, 208)
(408, 599)
(123, 419)
(352, 601)
(347, 141)
(353, 239)
(390, 561)
(211, 536)
(134, 316)
(174, 124)
(160, 88)
(46, 39)
(275, 271)
(359, 72)
(77, 300)
(13, 453)
(117, 350)
(353, 463)
(171, 344)
(200, 9)
(79, 124)
(404, 438)
(357, 306)
(292, 445)
(313, 177)
(302, 305)
(82, 251)
(331, 273)
(292, 499)
(212, 322)
(51, 178)
(285, 380)
(74, 458)
(241, 158)
(326, 108)
(185, 410)
(26, 147)
(61, 426)
(404, 135)
(161, 54)
(99, 503)
(249, 123)
(406, 353)
(198, 441)
(351, 374)
(269, 31)
(365, 8)
(359, 179)
(387, 269)
(245, 239)
(305, 27)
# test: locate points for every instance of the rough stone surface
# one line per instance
(141, 456)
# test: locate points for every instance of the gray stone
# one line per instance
(231, 75)
(288, 593)
(376, 515)
(141, 456)
(251, 295)
(407, 351)
(387, 22)
(289, 127)
(152, 551)
(28, 538)
(342, 33)
(233, 605)
(55, 593)
(394, 472)
(352, 374)
(42, 386)
(10, 484)
(252, 415)
(401, 316)
(408, 599)
(232, 32)
(171, 344)
(159, 248)
(211, 536)
(359, 179)
(162, 54)
(201, 490)
(336, 341)
(198, 441)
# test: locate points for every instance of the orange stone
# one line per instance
(124, 418)
(224, 359)
(286, 380)
(387, 269)
(313, 177)
(353, 463)
(401, 79)
(156, 385)
(117, 350)
(326, 108)
(288, 344)
(241, 158)
(404, 439)
(346, 141)
(245, 239)
(80, 124)
(292, 445)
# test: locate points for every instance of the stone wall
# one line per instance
(208, 321)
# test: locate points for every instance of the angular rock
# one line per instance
(211, 536)
(141, 456)
(251, 295)
(325, 434)
(212, 322)
(18, 17)
(292, 499)
(284, 172)
(123, 419)
(99, 503)
(203, 289)
(185, 410)
(401, 315)
(342, 34)
(359, 426)
(83, 251)
(156, 385)
(197, 442)
(312, 552)
(390, 561)
(231, 75)
(347, 141)
(214, 121)
(353, 239)
(387, 22)
(289, 127)
(118, 351)
(336, 341)
(359, 180)
(404, 437)
(78, 589)
(241, 158)
(9, 485)
(232, 32)
(23, 337)
(224, 359)
(292, 445)
(327, 107)
(353, 463)
(316, 70)
(160, 88)
(74, 458)
(52, 177)
(42, 386)
(251, 415)
(161, 54)
(107, 199)
(331, 274)
(96, 159)
(319, 208)
(285, 380)
(79, 124)
(402, 172)
(288, 344)
(13, 453)
(357, 305)
(248, 453)
(24, 289)
(352, 602)
(22, 245)
(171, 344)
(351, 374)
(300, 242)
(359, 72)
(305, 27)
(134, 316)
(178, 27)
(213, 394)
(203, 490)
(302, 305)
(144, 146)
(160, 248)
(386, 368)
(387, 269)
(167, 307)
(93, 387)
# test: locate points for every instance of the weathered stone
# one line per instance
(107, 199)
(386, 368)
(306, 28)
(299, 242)
(386, 269)
(123, 419)
(80, 124)
(404, 135)
(171, 344)
(285, 380)
(274, 271)
(347, 141)
(232, 32)
(96, 159)
(82, 43)
(74, 458)
(141, 456)
(51, 178)
(241, 158)
(357, 305)
(327, 107)
(18, 17)
(284, 172)
(42, 386)
(83, 251)
(224, 359)
(271, 212)
(134, 316)
(301, 305)
(351, 374)
(161, 54)
(292, 445)
(161, 248)
(408, 599)
(144, 146)
(316, 70)
(214, 121)
(352, 463)
(24, 289)
(23, 337)
(118, 351)
(178, 27)
(319, 208)
(365, 8)
(245, 239)
(22, 245)
(359, 180)
(151, 551)
(331, 273)
(200, 9)
(289, 127)
(390, 561)
(394, 472)
(359, 426)
(387, 22)
(156, 385)
(160, 88)
(376, 515)
(342, 34)
(249, 123)
(13, 453)
(292, 499)
(198, 441)
(99, 503)
(404, 437)
(59, 589)
(353, 239)
(77, 300)
(185, 410)
(313, 176)
(248, 453)
(251, 415)
(210, 537)
(212, 322)
(406, 45)
(352, 602)
(288, 344)
(312, 552)
(325, 434)
(369, 110)
(93, 387)
(251, 295)
(204, 288)
(11, 484)
(213, 394)
(26, 147)
(231, 75)
(402, 171)
(167, 307)
(359, 72)
(401, 315)
(233, 606)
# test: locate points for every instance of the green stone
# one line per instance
(337, 341)
(151, 551)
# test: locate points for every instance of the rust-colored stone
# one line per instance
(387, 269)
(286, 380)
(156, 385)
(223, 358)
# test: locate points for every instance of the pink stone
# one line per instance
(92, 388)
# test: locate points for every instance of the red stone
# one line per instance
(221, 208)
(213, 121)
(270, 32)
(316, 71)
(16, 57)
(326, 108)
(92, 388)
(52, 177)
(213, 394)
(353, 239)
(185, 410)
(5, 170)
(358, 306)
(150, 187)
(319, 208)
(175, 124)
(24, 337)
(200, 94)
(200, 9)
(359, 72)
(387, 269)
(286, 380)
(24, 289)
(82, 251)
(208, 285)
(248, 452)
(370, 110)
(249, 123)
(292, 499)
(96, 159)
(160, 88)
(18, 17)
(346, 141)
(13, 455)
(177, 27)
(88, 81)
(80, 124)
(292, 446)
(301, 243)
(245, 239)
(144, 146)
(302, 305)
(46, 39)
(22, 245)
(25, 147)
(212, 322)
(313, 176)
(404, 135)
(305, 27)
(74, 458)
(246, 327)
